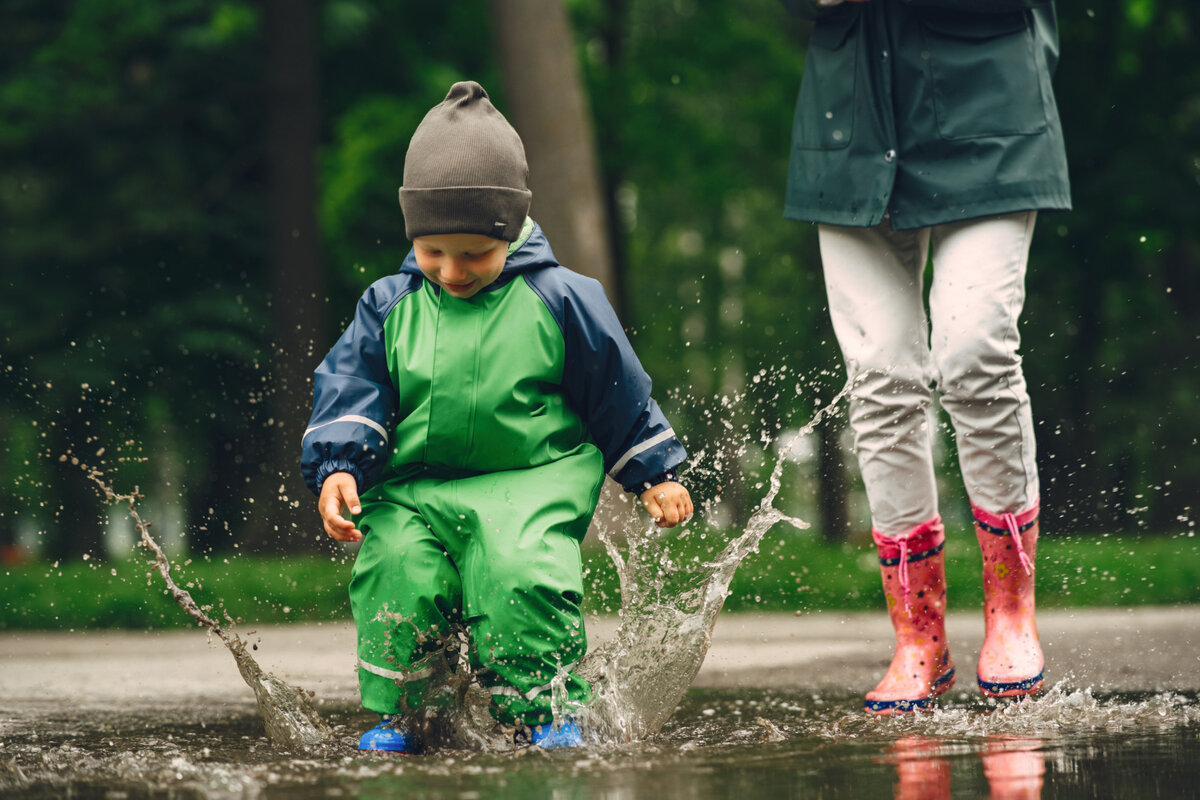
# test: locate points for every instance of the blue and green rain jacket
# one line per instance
(529, 370)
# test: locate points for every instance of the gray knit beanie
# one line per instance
(465, 171)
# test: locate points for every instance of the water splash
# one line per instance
(1062, 710)
(287, 712)
(640, 675)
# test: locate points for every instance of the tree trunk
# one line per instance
(546, 102)
(297, 285)
(609, 139)
(831, 481)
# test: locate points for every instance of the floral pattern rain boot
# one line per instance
(913, 566)
(1011, 662)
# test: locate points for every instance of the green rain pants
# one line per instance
(498, 552)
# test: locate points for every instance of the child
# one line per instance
(474, 404)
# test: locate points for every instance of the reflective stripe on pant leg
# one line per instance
(404, 592)
(532, 694)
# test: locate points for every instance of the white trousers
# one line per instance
(895, 357)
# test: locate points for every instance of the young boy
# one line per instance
(474, 404)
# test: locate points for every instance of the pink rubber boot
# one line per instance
(1011, 662)
(914, 581)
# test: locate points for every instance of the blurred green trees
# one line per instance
(1112, 333)
(138, 264)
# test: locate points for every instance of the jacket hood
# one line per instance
(533, 253)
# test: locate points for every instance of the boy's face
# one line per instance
(461, 263)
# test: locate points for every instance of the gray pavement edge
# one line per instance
(1120, 649)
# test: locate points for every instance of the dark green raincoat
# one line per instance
(934, 111)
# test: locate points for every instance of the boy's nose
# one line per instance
(453, 270)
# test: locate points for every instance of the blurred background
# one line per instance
(193, 193)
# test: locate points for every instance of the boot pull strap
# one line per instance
(1010, 522)
(904, 575)
(920, 543)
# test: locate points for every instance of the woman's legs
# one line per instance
(976, 298)
(874, 279)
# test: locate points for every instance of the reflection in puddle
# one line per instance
(1069, 743)
(1012, 766)
(920, 771)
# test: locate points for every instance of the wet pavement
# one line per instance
(774, 712)
(1112, 650)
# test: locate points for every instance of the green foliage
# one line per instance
(1113, 312)
(385, 64)
(131, 594)
(792, 572)
(364, 165)
(134, 311)
(803, 572)
(132, 238)
(723, 297)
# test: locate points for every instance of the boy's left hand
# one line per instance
(669, 503)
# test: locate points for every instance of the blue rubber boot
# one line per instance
(550, 737)
(388, 738)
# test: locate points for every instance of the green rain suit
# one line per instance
(479, 431)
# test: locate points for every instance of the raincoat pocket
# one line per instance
(984, 72)
(825, 107)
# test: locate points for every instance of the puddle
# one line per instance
(1068, 743)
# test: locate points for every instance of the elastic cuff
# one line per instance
(995, 523)
(920, 542)
(663, 477)
(327, 468)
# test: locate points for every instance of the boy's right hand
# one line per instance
(339, 491)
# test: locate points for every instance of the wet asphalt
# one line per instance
(1136, 649)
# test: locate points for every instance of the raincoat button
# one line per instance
(889, 156)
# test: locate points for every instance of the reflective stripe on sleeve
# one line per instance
(640, 448)
(370, 423)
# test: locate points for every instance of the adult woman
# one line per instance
(929, 130)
